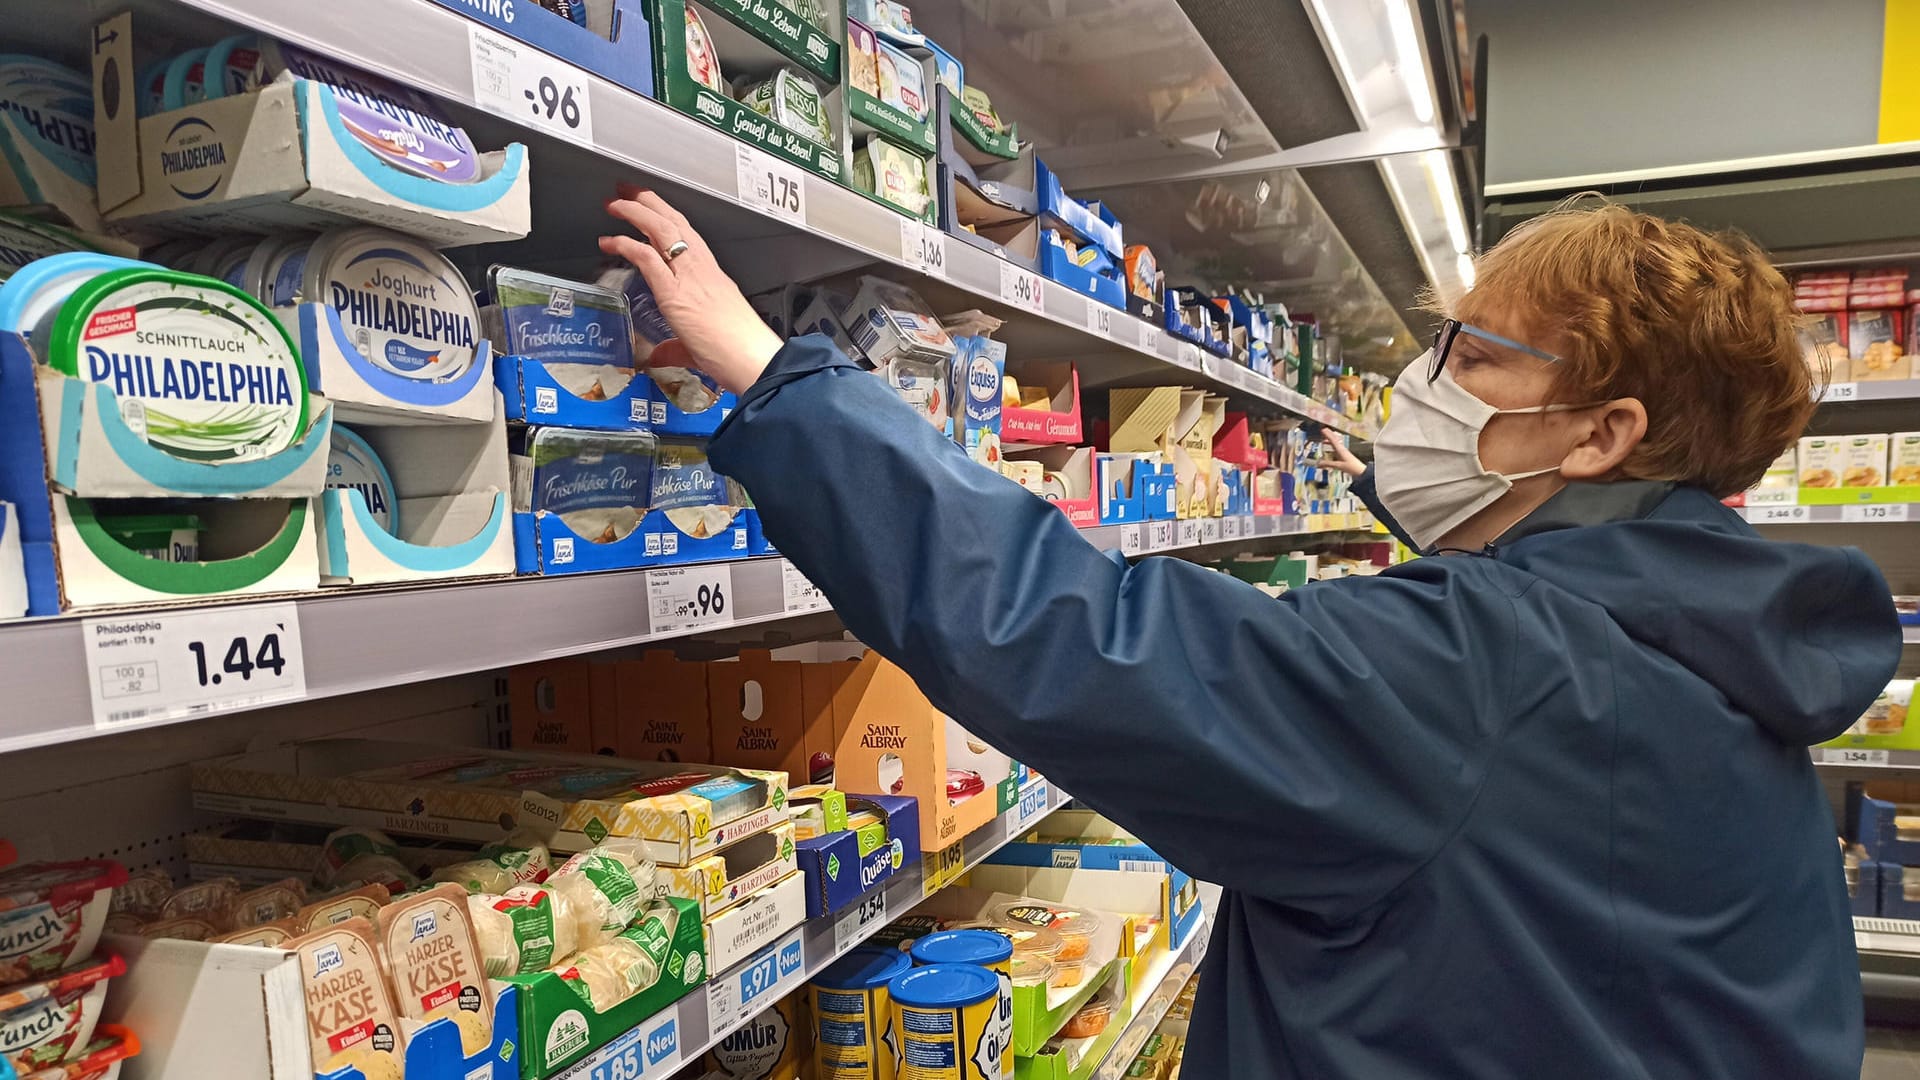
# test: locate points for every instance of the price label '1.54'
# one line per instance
(168, 665)
(522, 83)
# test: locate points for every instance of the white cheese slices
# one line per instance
(202, 370)
(402, 304)
(353, 466)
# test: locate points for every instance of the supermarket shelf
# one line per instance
(1842, 393)
(1860, 513)
(1910, 634)
(367, 639)
(1900, 937)
(1156, 992)
(1866, 759)
(677, 1036)
(428, 46)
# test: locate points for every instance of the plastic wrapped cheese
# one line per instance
(610, 973)
(602, 889)
(517, 860)
(525, 929)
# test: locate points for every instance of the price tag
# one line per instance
(1776, 515)
(1189, 533)
(1022, 288)
(1159, 535)
(923, 247)
(1833, 756)
(522, 83)
(1233, 528)
(1099, 319)
(1133, 539)
(859, 922)
(801, 595)
(1036, 799)
(770, 185)
(1189, 355)
(756, 983)
(942, 868)
(1150, 339)
(1874, 512)
(168, 665)
(1209, 530)
(686, 598)
(1841, 391)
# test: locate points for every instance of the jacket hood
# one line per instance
(1800, 637)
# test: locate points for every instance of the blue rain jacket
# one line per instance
(1544, 814)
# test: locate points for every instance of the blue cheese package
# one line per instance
(698, 501)
(581, 333)
(599, 483)
(690, 391)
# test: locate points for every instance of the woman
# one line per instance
(1540, 809)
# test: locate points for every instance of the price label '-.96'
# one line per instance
(168, 665)
(1022, 288)
(522, 83)
(684, 598)
(768, 184)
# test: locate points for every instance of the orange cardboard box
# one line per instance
(657, 709)
(550, 706)
(896, 743)
(756, 705)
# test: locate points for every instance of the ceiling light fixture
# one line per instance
(1413, 68)
(1440, 171)
(1463, 264)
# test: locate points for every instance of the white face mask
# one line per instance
(1427, 468)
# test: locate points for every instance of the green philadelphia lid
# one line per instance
(201, 369)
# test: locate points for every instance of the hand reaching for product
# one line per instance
(718, 330)
(1343, 458)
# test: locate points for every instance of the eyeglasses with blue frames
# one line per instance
(1453, 328)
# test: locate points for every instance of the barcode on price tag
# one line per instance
(859, 922)
(1841, 391)
(1209, 530)
(1133, 539)
(768, 184)
(1874, 512)
(1777, 515)
(1850, 756)
(522, 83)
(685, 598)
(1022, 288)
(923, 247)
(801, 595)
(1099, 318)
(168, 665)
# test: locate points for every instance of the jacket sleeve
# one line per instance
(1251, 741)
(1368, 493)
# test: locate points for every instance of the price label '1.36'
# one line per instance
(522, 83)
(923, 247)
(768, 184)
(683, 598)
(169, 665)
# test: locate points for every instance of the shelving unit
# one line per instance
(1162, 984)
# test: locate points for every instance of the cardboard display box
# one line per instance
(841, 867)
(775, 714)
(1059, 422)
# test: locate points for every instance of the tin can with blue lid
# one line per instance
(851, 1013)
(947, 1025)
(988, 948)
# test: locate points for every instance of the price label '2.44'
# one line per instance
(167, 665)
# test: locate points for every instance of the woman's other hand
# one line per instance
(721, 333)
(1342, 458)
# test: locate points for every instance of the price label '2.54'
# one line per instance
(168, 665)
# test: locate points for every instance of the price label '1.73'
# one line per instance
(768, 184)
(168, 665)
(1870, 512)
(1022, 288)
(684, 598)
(522, 83)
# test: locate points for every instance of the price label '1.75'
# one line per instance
(168, 665)
(768, 184)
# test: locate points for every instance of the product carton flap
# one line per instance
(1143, 417)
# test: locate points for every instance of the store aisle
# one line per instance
(1892, 1054)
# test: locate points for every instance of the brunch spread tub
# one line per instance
(851, 1011)
(51, 914)
(200, 368)
(52, 1018)
(946, 1020)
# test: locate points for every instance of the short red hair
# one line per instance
(1699, 326)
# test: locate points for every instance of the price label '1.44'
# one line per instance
(768, 184)
(168, 665)
(522, 83)
(684, 598)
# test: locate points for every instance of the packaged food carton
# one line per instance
(1821, 461)
(1864, 461)
(1903, 458)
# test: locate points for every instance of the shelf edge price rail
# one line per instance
(522, 83)
(150, 667)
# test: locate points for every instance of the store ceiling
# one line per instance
(1169, 87)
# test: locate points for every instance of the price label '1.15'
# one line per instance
(169, 665)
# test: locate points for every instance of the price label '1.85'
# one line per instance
(168, 665)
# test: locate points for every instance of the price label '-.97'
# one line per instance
(168, 665)
(768, 184)
(522, 83)
(684, 598)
